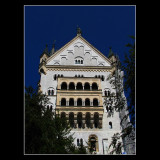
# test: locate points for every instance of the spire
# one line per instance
(79, 31)
(46, 49)
(110, 52)
(53, 48)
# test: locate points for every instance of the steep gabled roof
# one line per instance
(70, 42)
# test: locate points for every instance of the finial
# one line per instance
(79, 31)
(46, 49)
(110, 52)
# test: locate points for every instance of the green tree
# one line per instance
(46, 133)
(117, 101)
(129, 85)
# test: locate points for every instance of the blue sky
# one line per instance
(102, 26)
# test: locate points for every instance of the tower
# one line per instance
(75, 80)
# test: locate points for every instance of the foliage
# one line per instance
(117, 101)
(46, 133)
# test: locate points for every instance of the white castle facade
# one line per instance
(75, 79)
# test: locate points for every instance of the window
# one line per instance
(79, 120)
(110, 125)
(78, 60)
(96, 120)
(77, 142)
(71, 102)
(63, 115)
(63, 102)
(55, 77)
(79, 102)
(64, 86)
(50, 91)
(87, 102)
(81, 141)
(94, 86)
(95, 102)
(88, 118)
(86, 86)
(71, 86)
(79, 86)
(71, 119)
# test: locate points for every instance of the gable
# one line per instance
(78, 52)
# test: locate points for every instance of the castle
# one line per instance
(75, 80)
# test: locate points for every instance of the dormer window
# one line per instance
(78, 60)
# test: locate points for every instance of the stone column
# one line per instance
(90, 87)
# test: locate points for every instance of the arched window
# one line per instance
(94, 86)
(102, 78)
(95, 102)
(86, 86)
(79, 86)
(87, 102)
(110, 125)
(55, 77)
(51, 107)
(47, 107)
(79, 102)
(71, 119)
(63, 115)
(95, 76)
(78, 60)
(79, 120)
(105, 93)
(61, 75)
(49, 92)
(71, 86)
(81, 142)
(63, 102)
(71, 102)
(96, 119)
(77, 142)
(108, 93)
(52, 92)
(64, 86)
(88, 119)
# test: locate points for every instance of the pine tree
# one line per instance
(46, 133)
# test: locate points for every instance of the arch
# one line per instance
(79, 119)
(63, 115)
(102, 78)
(64, 86)
(110, 125)
(71, 102)
(93, 143)
(77, 141)
(88, 119)
(94, 86)
(87, 102)
(107, 92)
(79, 86)
(63, 102)
(86, 86)
(49, 92)
(71, 119)
(95, 102)
(96, 119)
(79, 102)
(81, 142)
(55, 77)
(71, 86)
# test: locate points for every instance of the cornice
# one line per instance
(79, 68)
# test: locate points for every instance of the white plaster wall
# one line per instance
(81, 52)
(104, 133)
